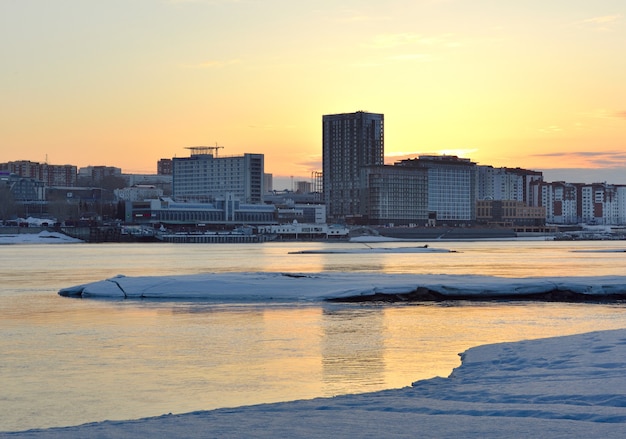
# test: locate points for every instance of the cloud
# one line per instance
(615, 175)
(601, 23)
(590, 159)
(213, 64)
(620, 114)
(551, 129)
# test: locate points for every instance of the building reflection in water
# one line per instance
(352, 350)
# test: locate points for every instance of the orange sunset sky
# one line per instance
(539, 84)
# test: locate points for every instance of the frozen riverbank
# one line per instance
(570, 386)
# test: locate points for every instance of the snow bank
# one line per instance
(43, 237)
(267, 286)
(366, 250)
(570, 387)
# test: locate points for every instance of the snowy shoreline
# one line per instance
(570, 386)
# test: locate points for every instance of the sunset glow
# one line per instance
(123, 83)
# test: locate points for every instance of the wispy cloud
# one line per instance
(603, 113)
(601, 23)
(389, 41)
(591, 159)
(551, 129)
(213, 64)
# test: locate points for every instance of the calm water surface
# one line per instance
(70, 361)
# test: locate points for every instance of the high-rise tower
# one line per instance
(350, 142)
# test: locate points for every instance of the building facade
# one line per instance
(395, 195)
(164, 167)
(223, 211)
(509, 213)
(203, 176)
(451, 187)
(505, 183)
(50, 175)
(350, 141)
(95, 174)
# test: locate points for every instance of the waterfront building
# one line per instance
(505, 183)
(302, 230)
(560, 200)
(224, 211)
(204, 176)
(509, 213)
(451, 187)
(573, 203)
(350, 141)
(395, 195)
(603, 203)
(301, 213)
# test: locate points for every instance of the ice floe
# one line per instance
(267, 286)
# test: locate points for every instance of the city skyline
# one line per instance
(117, 83)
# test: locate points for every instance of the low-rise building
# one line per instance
(509, 213)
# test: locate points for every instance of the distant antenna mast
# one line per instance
(46, 159)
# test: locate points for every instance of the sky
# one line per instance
(535, 84)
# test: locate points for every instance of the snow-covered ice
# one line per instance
(369, 250)
(570, 387)
(267, 286)
(43, 237)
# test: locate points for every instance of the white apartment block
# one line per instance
(505, 183)
(203, 176)
(573, 203)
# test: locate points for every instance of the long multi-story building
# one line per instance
(204, 176)
(50, 175)
(350, 141)
(572, 203)
(451, 187)
(509, 213)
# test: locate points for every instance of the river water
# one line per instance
(70, 361)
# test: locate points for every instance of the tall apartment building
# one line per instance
(451, 187)
(350, 142)
(203, 176)
(51, 175)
